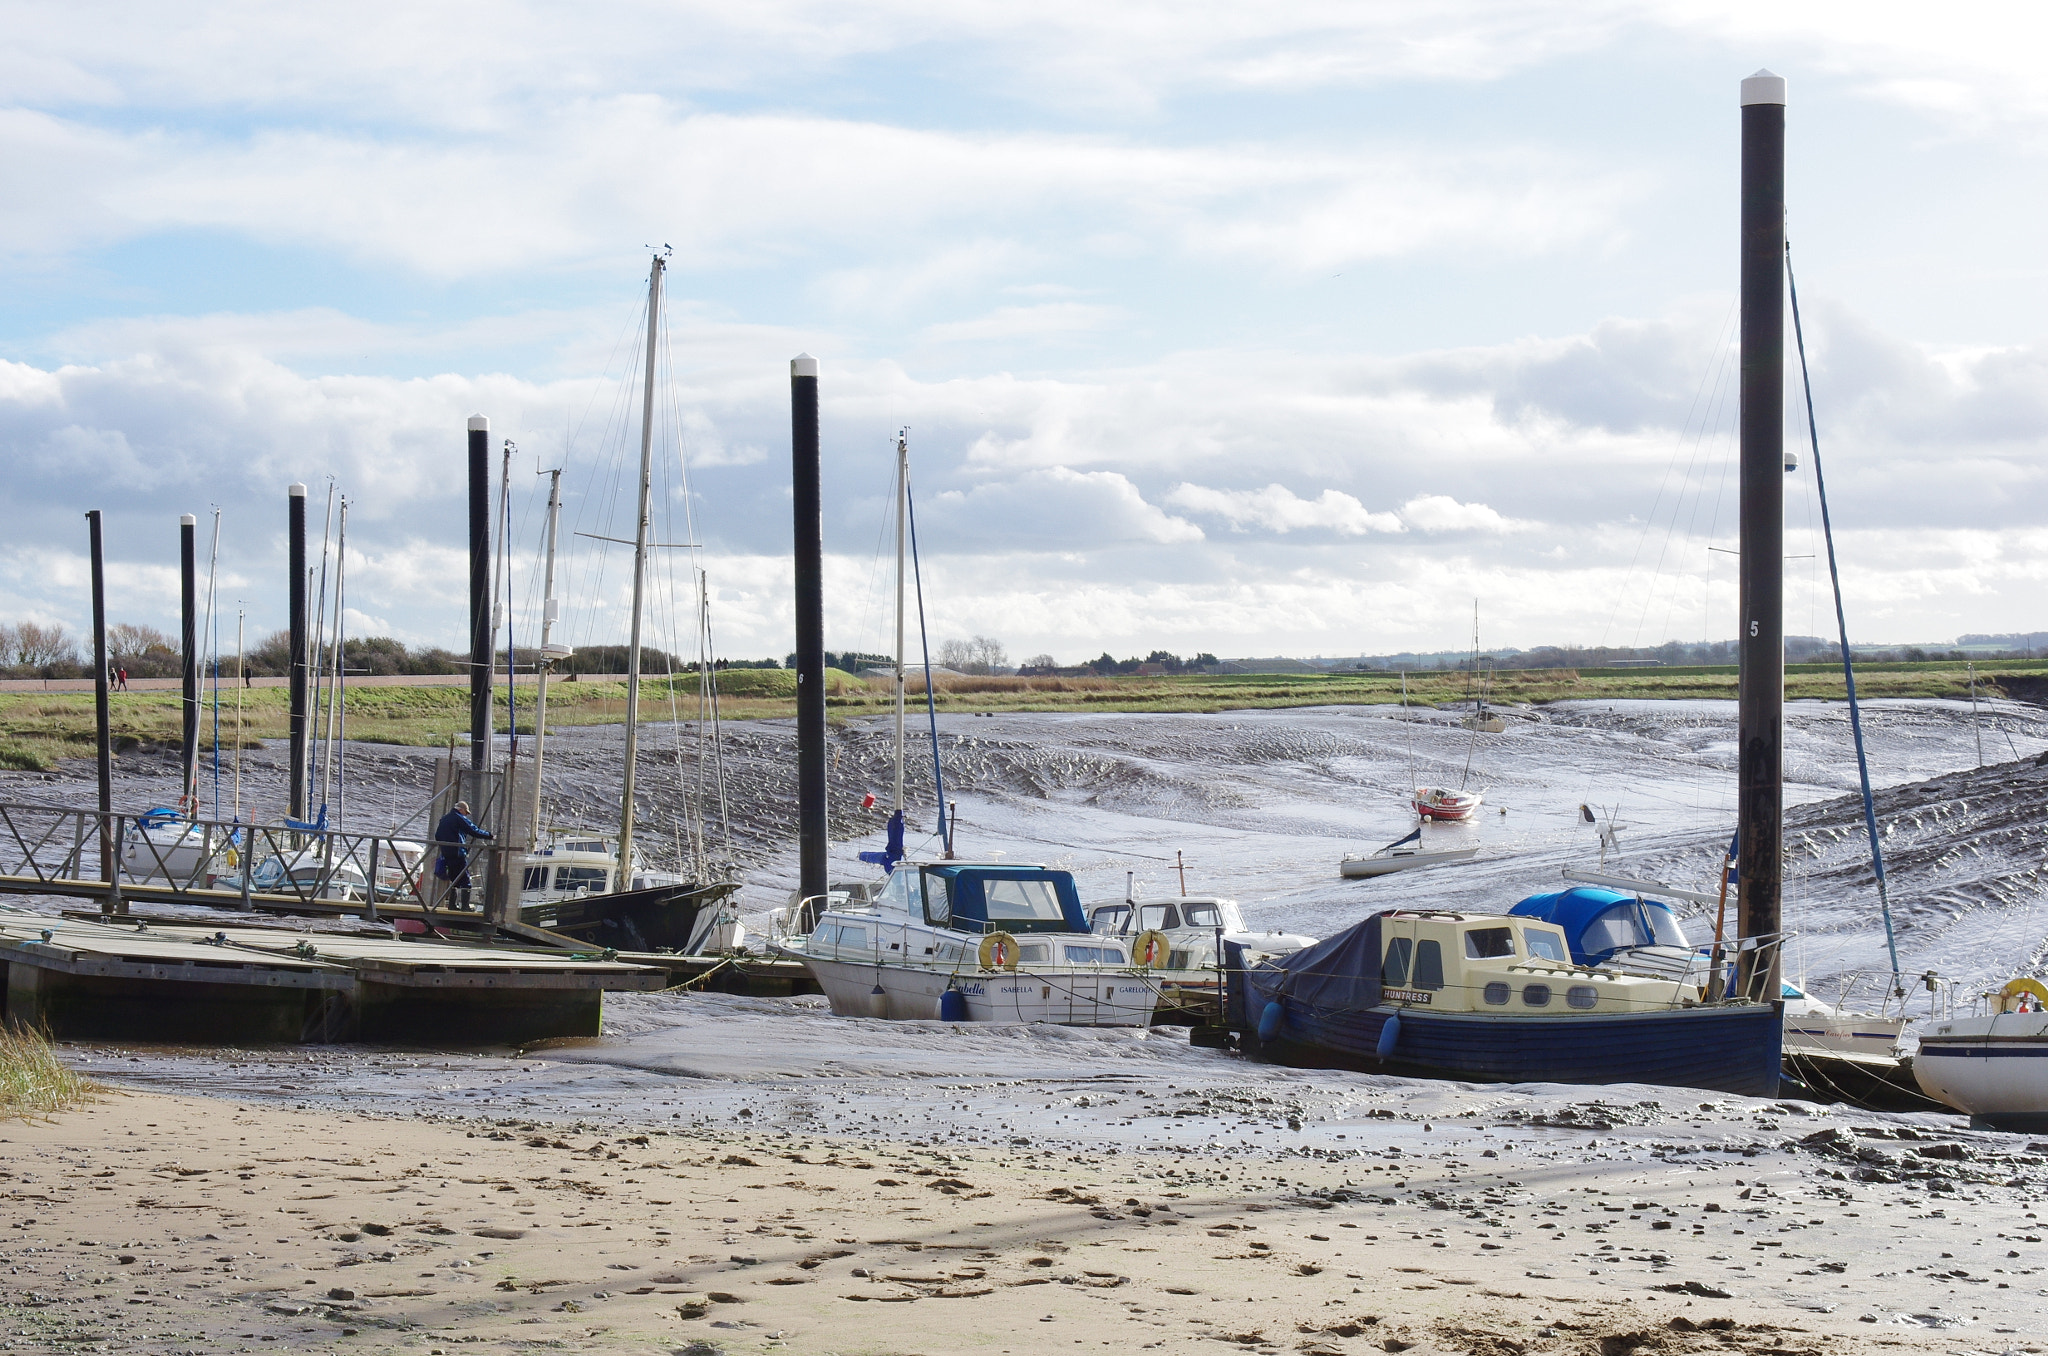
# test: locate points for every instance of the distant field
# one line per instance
(38, 728)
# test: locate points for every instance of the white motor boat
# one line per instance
(978, 942)
(163, 845)
(1817, 1029)
(1406, 854)
(1993, 1066)
(1192, 928)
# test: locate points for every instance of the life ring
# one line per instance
(999, 951)
(1151, 949)
(2014, 995)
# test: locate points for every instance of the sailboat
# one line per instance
(594, 885)
(967, 941)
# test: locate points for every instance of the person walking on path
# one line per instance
(121, 680)
(452, 836)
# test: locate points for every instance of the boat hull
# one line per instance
(1732, 1049)
(1060, 997)
(1995, 1068)
(663, 918)
(1363, 868)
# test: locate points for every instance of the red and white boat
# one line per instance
(1437, 802)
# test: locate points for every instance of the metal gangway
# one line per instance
(120, 858)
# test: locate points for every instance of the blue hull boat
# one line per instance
(1487, 998)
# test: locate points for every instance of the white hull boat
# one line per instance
(977, 943)
(1387, 861)
(1188, 929)
(1993, 1067)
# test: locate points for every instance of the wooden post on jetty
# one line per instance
(296, 568)
(188, 649)
(479, 592)
(110, 861)
(1760, 790)
(810, 629)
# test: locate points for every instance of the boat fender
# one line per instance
(952, 1006)
(999, 951)
(1270, 1019)
(2013, 997)
(1390, 1035)
(1152, 949)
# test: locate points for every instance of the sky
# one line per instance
(1281, 329)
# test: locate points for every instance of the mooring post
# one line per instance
(479, 593)
(1760, 706)
(295, 568)
(188, 645)
(370, 914)
(810, 626)
(102, 721)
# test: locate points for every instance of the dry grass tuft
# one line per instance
(33, 1081)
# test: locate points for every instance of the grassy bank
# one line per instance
(38, 728)
(33, 1081)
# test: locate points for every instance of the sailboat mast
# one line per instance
(1761, 640)
(625, 875)
(548, 609)
(902, 515)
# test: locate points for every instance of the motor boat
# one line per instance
(571, 885)
(1494, 998)
(978, 942)
(1993, 1065)
(164, 845)
(1192, 929)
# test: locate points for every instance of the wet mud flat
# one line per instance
(860, 1186)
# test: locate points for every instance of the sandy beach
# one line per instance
(678, 1188)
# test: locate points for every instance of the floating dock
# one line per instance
(157, 981)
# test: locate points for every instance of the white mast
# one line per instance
(549, 609)
(624, 880)
(902, 515)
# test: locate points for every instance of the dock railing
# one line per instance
(116, 856)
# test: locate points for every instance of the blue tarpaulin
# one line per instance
(1340, 973)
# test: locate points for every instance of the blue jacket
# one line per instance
(454, 831)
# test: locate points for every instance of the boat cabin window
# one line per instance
(581, 877)
(1612, 930)
(1033, 953)
(1158, 916)
(1113, 919)
(1094, 955)
(938, 900)
(1545, 945)
(1200, 916)
(536, 878)
(852, 939)
(1020, 900)
(1489, 943)
(583, 845)
(1413, 965)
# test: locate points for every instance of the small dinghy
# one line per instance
(1440, 802)
(1406, 854)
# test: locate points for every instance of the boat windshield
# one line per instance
(1612, 930)
(1665, 926)
(1023, 900)
(1201, 916)
(895, 895)
(1159, 916)
(1112, 919)
(1544, 944)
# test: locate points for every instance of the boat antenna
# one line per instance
(924, 639)
(1820, 483)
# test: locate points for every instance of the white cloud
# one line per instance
(1026, 322)
(1441, 513)
(1278, 509)
(1057, 509)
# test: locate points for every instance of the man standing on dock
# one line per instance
(452, 836)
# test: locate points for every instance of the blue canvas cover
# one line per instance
(1577, 909)
(1340, 973)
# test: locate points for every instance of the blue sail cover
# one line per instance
(893, 853)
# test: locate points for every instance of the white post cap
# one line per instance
(803, 365)
(479, 424)
(187, 520)
(1763, 88)
(296, 491)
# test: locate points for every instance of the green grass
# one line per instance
(33, 1081)
(38, 728)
